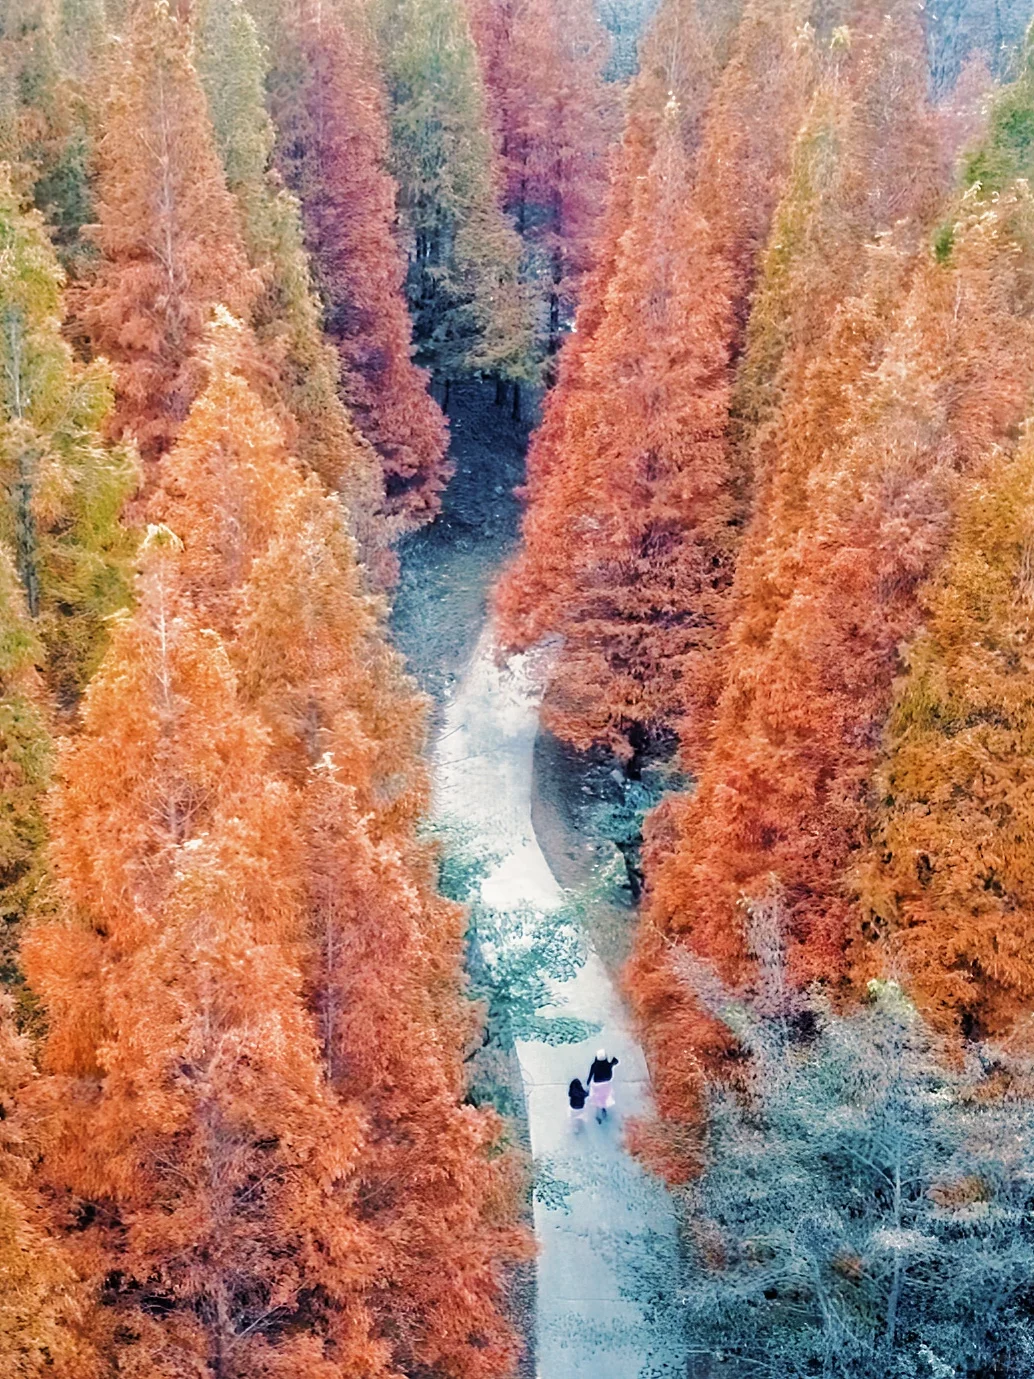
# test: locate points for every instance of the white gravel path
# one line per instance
(606, 1267)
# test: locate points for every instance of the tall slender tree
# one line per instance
(633, 552)
(62, 488)
(813, 654)
(643, 621)
(41, 1304)
(307, 638)
(469, 309)
(947, 883)
(553, 116)
(267, 559)
(26, 753)
(168, 232)
(287, 314)
(333, 152)
(202, 1169)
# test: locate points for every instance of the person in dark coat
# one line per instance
(577, 1096)
(601, 1089)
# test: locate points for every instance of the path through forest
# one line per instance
(607, 1264)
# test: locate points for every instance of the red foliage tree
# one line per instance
(333, 150)
(639, 523)
(167, 232)
(554, 118)
(887, 420)
(643, 615)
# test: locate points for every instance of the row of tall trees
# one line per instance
(776, 518)
(239, 1143)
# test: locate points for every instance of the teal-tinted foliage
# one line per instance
(867, 1210)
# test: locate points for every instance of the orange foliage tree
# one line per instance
(198, 1162)
(307, 639)
(630, 560)
(634, 548)
(40, 1310)
(553, 116)
(287, 315)
(331, 114)
(266, 557)
(168, 232)
(948, 883)
(678, 57)
(890, 416)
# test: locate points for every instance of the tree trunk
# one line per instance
(25, 529)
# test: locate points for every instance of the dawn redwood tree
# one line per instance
(470, 311)
(428, 1177)
(553, 117)
(196, 1161)
(268, 562)
(287, 314)
(828, 601)
(168, 232)
(333, 150)
(62, 488)
(632, 555)
(643, 624)
(26, 753)
(48, 54)
(949, 879)
(266, 557)
(867, 157)
(677, 58)
(41, 1301)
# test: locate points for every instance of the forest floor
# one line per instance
(608, 1255)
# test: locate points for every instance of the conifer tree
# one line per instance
(553, 117)
(307, 638)
(947, 883)
(168, 232)
(333, 152)
(429, 1176)
(828, 599)
(642, 665)
(40, 1303)
(192, 1146)
(470, 313)
(62, 488)
(634, 583)
(25, 763)
(48, 52)
(286, 315)
(678, 58)
(266, 557)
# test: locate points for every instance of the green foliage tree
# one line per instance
(48, 51)
(62, 487)
(470, 312)
(865, 1209)
(25, 764)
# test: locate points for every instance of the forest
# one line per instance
(516, 557)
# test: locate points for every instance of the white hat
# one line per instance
(601, 1053)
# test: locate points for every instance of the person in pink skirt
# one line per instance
(601, 1084)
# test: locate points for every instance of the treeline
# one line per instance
(779, 515)
(246, 249)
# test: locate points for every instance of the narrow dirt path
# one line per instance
(606, 1231)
